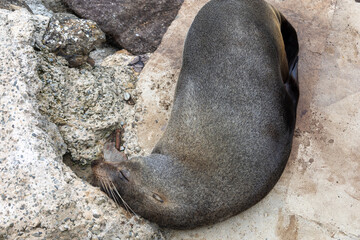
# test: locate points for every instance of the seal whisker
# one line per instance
(117, 201)
(108, 190)
(125, 204)
(111, 191)
(104, 186)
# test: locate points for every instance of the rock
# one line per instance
(86, 104)
(138, 63)
(72, 38)
(137, 26)
(40, 196)
(127, 96)
(38, 8)
(57, 6)
(101, 52)
(14, 4)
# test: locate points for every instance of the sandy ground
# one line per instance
(318, 196)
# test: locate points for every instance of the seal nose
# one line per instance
(95, 163)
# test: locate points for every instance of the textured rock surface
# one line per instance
(72, 38)
(38, 8)
(40, 197)
(88, 104)
(318, 196)
(137, 26)
(100, 53)
(14, 4)
(56, 6)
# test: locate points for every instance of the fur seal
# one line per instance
(231, 126)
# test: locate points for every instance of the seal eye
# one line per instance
(124, 175)
(158, 198)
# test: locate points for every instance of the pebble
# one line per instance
(137, 69)
(139, 65)
(127, 96)
(135, 60)
(38, 234)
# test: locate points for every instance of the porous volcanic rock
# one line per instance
(40, 197)
(87, 104)
(72, 38)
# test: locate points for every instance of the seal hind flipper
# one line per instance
(290, 41)
(292, 49)
(293, 70)
(292, 84)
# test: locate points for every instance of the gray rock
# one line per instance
(38, 8)
(101, 52)
(46, 7)
(57, 6)
(40, 196)
(127, 96)
(14, 4)
(72, 38)
(137, 26)
(138, 63)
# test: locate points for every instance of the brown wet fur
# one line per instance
(231, 127)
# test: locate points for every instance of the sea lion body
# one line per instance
(232, 122)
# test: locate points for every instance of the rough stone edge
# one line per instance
(39, 125)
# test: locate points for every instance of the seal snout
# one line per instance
(98, 169)
(96, 162)
(109, 171)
